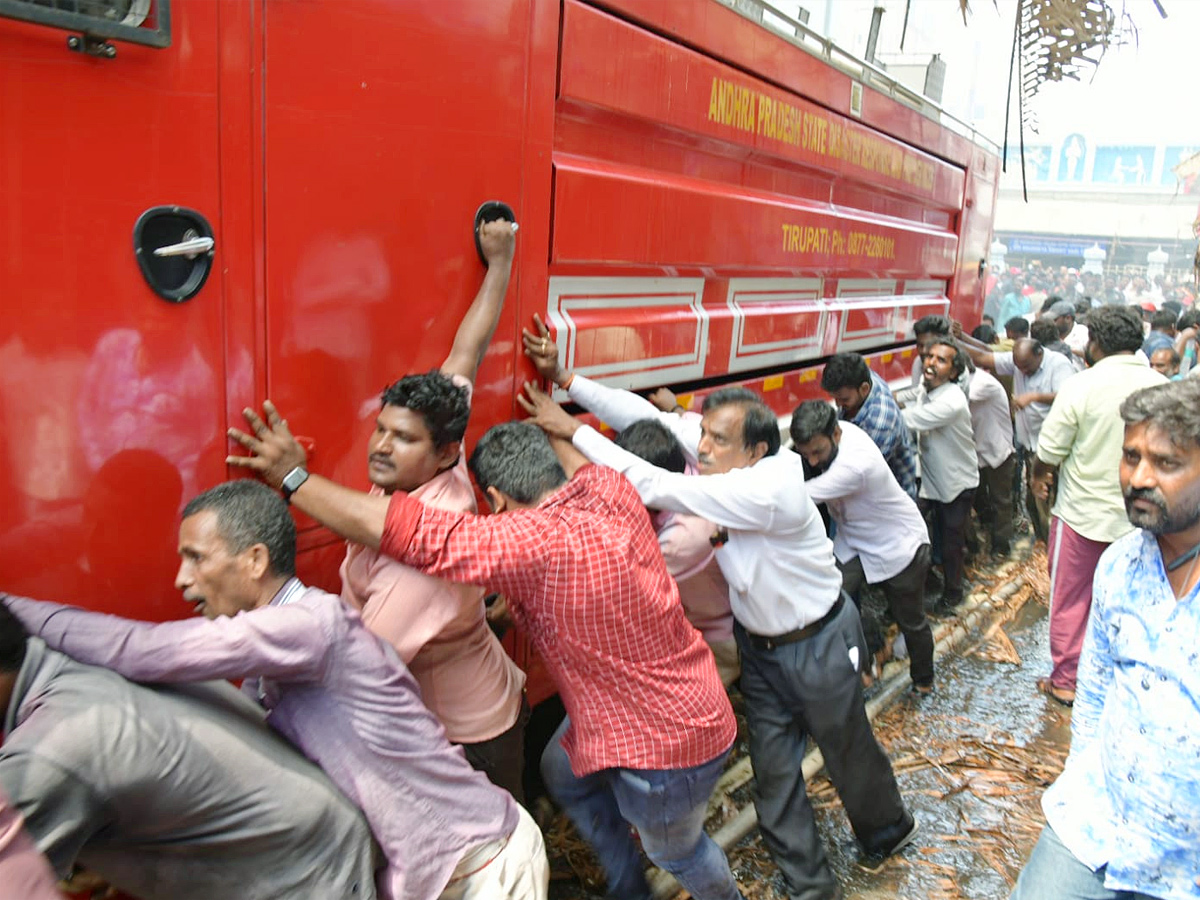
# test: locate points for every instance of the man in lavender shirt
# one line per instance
(330, 686)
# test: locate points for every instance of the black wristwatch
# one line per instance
(292, 481)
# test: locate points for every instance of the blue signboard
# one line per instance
(1047, 246)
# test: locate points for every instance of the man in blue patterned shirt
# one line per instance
(864, 399)
(1123, 819)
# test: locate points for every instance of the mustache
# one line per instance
(381, 458)
(1150, 495)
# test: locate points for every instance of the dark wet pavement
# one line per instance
(972, 762)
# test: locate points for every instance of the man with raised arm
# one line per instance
(802, 647)
(332, 688)
(1037, 377)
(648, 723)
(438, 627)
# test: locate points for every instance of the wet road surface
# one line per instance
(972, 762)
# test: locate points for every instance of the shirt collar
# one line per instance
(291, 591)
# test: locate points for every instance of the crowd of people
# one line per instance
(377, 745)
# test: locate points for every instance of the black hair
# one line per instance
(1162, 320)
(811, 418)
(1044, 331)
(516, 459)
(845, 370)
(1018, 325)
(932, 325)
(1116, 329)
(441, 403)
(759, 424)
(960, 356)
(13, 640)
(250, 513)
(1190, 318)
(653, 441)
(985, 334)
(1174, 407)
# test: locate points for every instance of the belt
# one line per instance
(770, 642)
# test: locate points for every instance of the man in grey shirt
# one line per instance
(169, 794)
(1037, 376)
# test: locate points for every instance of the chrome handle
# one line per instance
(191, 246)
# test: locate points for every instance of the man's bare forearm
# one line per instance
(351, 514)
(479, 324)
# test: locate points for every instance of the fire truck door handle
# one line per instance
(191, 247)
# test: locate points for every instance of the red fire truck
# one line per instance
(209, 202)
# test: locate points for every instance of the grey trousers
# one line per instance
(812, 687)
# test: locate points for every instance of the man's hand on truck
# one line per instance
(543, 352)
(546, 414)
(275, 451)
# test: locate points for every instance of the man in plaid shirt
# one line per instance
(864, 399)
(649, 725)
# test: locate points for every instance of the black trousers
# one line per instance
(994, 501)
(814, 687)
(905, 592)
(951, 521)
(502, 758)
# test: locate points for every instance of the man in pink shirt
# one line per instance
(649, 725)
(687, 545)
(438, 627)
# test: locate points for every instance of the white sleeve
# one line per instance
(931, 415)
(839, 480)
(737, 499)
(620, 409)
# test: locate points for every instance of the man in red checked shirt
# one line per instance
(649, 724)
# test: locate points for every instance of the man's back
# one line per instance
(587, 583)
(174, 793)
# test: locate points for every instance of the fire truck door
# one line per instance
(112, 362)
(386, 125)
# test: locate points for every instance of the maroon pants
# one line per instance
(1073, 560)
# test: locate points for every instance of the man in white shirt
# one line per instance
(992, 424)
(1037, 376)
(801, 644)
(881, 537)
(949, 465)
(1072, 333)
